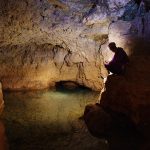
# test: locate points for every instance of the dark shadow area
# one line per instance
(33, 137)
(120, 132)
(70, 86)
(3, 139)
(147, 4)
(122, 117)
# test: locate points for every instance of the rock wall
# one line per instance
(44, 42)
(40, 66)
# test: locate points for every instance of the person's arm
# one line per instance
(106, 62)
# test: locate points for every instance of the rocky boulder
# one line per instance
(98, 121)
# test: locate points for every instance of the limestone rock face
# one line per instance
(127, 33)
(40, 66)
(106, 11)
(44, 42)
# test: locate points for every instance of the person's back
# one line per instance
(119, 61)
(120, 57)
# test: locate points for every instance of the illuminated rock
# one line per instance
(51, 41)
(120, 33)
(106, 11)
(41, 66)
(127, 33)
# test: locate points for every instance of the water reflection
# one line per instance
(49, 120)
(52, 108)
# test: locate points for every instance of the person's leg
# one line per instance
(104, 80)
(103, 89)
(110, 73)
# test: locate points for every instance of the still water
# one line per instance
(48, 120)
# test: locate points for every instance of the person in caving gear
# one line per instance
(118, 63)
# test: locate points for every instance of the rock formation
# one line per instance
(98, 121)
(125, 103)
(126, 99)
(44, 42)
